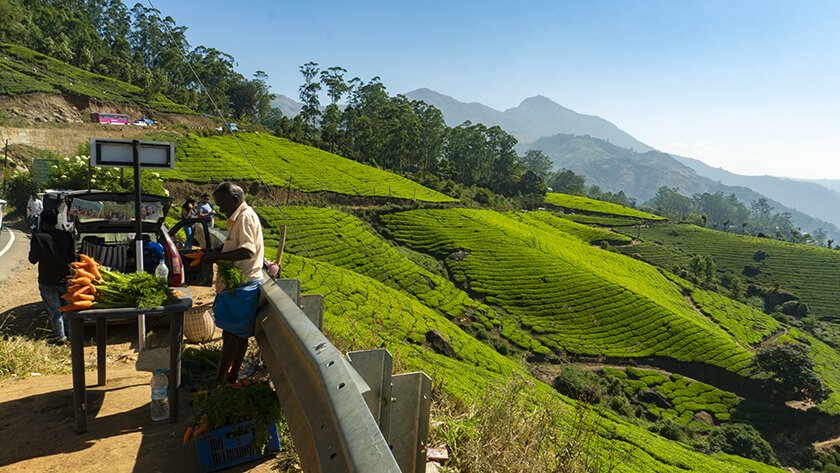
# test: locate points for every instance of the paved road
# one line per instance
(14, 250)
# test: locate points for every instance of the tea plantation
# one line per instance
(570, 295)
(343, 240)
(687, 397)
(811, 273)
(371, 314)
(281, 162)
(585, 233)
(25, 71)
(585, 204)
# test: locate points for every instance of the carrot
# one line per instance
(84, 297)
(68, 297)
(78, 305)
(80, 281)
(87, 259)
(201, 429)
(94, 270)
(79, 264)
(80, 291)
(85, 274)
(194, 255)
(188, 434)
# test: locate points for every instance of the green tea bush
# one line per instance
(742, 439)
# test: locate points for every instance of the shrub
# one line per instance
(792, 374)
(579, 384)
(743, 440)
(669, 429)
(20, 187)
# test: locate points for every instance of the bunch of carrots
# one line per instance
(81, 294)
(92, 286)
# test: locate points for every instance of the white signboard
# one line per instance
(120, 154)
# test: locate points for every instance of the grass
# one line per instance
(21, 356)
(585, 204)
(283, 163)
(600, 220)
(24, 71)
(569, 296)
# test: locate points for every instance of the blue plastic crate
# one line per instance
(231, 445)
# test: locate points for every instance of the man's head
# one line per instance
(229, 197)
(205, 198)
(49, 219)
(34, 196)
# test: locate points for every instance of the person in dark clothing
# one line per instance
(52, 250)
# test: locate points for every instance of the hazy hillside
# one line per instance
(809, 197)
(639, 175)
(24, 71)
(287, 105)
(535, 117)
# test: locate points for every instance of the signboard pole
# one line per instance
(138, 238)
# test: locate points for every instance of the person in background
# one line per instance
(33, 212)
(188, 212)
(235, 309)
(205, 210)
(53, 251)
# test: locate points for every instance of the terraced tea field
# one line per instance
(570, 295)
(585, 233)
(343, 240)
(585, 204)
(687, 397)
(748, 325)
(218, 158)
(809, 272)
(371, 314)
(600, 220)
(24, 71)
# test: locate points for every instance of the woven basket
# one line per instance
(198, 323)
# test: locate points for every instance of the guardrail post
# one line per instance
(408, 429)
(400, 404)
(374, 366)
(291, 287)
(313, 306)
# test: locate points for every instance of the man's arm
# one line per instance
(232, 255)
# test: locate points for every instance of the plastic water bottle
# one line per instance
(160, 396)
(162, 272)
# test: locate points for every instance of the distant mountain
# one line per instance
(288, 106)
(810, 197)
(833, 184)
(639, 175)
(534, 118)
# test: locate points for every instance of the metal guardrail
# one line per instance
(342, 418)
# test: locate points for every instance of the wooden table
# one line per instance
(101, 316)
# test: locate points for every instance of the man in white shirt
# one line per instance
(33, 212)
(244, 248)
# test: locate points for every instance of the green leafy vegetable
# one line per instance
(231, 275)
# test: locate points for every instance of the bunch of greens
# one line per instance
(231, 275)
(247, 400)
(130, 290)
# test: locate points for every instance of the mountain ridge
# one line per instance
(532, 119)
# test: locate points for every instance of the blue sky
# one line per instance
(751, 86)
